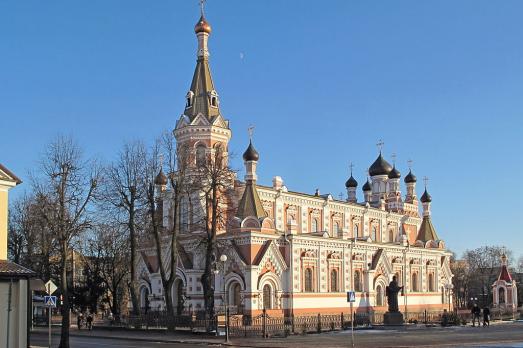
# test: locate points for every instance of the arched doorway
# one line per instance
(234, 297)
(177, 296)
(501, 295)
(144, 298)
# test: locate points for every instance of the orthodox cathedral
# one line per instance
(290, 252)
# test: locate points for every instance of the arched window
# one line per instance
(184, 214)
(267, 297)
(189, 97)
(200, 155)
(214, 101)
(391, 235)
(308, 280)
(374, 235)
(335, 229)
(334, 280)
(314, 225)
(379, 296)
(399, 278)
(357, 281)
(414, 284)
(218, 154)
(431, 282)
(355, 231)
(501, 296)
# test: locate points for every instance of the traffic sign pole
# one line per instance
(49, 309)
(352, 325)
(351, 298)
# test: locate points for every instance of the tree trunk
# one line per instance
(134, 297)
(169, 305)
(64, 338)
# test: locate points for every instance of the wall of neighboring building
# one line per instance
(18, 314)
(3, 222)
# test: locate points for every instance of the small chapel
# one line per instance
(504, 289)
(293, 252)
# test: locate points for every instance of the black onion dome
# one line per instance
(410, 178)
(426, 198)
(351, 182)
(366, 186)
(251, 154)
(161, 178)
(394, 173)
(380, 167)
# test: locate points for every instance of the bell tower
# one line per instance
(201, 132)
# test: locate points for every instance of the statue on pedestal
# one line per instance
(392, 295)
(393, 316)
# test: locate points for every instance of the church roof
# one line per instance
(251, 154)
(380, 167)
(250, 203)
(426, 198)
(427, 231)
(505, 274)
(202, 85)
(410, 178)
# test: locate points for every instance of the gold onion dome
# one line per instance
(161, 178)
(202, 26)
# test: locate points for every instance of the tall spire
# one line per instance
(202, 97)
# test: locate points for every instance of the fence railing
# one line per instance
(265, 325)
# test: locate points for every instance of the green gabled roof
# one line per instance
(427, 231)
(250, 204)
(201, 86)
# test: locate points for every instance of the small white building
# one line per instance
(15, 311)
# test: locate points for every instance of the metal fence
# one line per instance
(265, 325)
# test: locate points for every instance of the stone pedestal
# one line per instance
(393, 318)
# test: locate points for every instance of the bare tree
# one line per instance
(216, 182)
(29, 244)
(125, 190)
(180, 185)
(483, 266)
(67, 184)
(106, 254)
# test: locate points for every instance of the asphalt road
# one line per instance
(41, 340)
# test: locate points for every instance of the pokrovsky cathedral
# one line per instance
(291, 252)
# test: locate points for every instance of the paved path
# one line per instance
(509, 334)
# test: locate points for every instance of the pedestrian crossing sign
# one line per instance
(351, 296)
(50, 301)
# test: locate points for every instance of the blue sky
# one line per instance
(439, 81)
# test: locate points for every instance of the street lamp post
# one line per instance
(449, 288)
(404, 290)
(223, 259)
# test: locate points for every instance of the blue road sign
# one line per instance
(50, 301)
(351, 296)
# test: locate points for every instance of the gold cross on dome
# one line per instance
(251, 131)
(380, 145)
(202, 3)
(160, 158)
(409, 163)
(351, 166)
(426, 181)
(393, 158)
